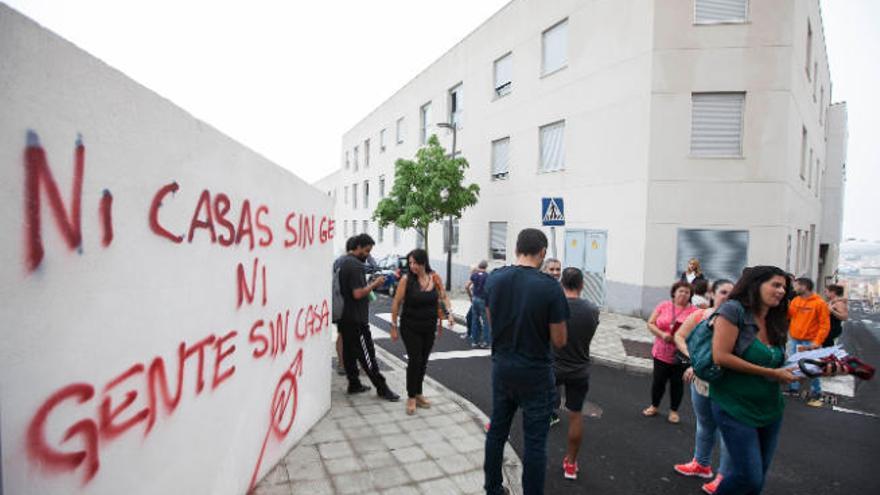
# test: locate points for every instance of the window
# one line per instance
(381, 186)
(803, 173)
(500, 158)
(818, 177)
(345, 196)
(396, 235)
(554, 43)
(420, 240)
(809, 48)
(356, 153)
(345, 228)
(720, 11)
(821, 104)
(810, 163)
(815, 79)
(366, 225)
(503, 75)
(716, 124)
(354, 196)
(498, 241)
(454, 235)
(366, 153)
(382, 141)
(424, 123)
(354, 227)
(367, 194)
(722, 253)
(553, 147)
(346, 161)
(455, 106)
(380, 233)
(400, 130)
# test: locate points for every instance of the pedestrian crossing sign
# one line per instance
(552, 212)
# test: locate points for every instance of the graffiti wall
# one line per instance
(164, 289)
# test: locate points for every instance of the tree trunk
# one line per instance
(425, 238)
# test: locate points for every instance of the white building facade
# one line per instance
(670, 129)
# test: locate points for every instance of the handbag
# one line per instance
(699, 344)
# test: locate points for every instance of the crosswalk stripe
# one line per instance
(457, 328)
(435, 356)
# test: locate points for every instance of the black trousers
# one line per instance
(672, 373)
(418, 345)
(357, 346)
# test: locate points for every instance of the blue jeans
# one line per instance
(707, 433)
(815, 384)
(751, 451)
(516, 386)
(480, 331)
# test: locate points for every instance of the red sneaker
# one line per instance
(569, 469)
(711, 486)
(693, 468)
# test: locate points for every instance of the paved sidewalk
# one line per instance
(367, 445)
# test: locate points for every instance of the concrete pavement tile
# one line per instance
(335, 450)
(351, 421)
(338, 411)
(380, 418)
(455, 464)
(326, 424)
(276, 476)
(354, 483)
(448, 408)
(387, 429)
(455, 431)
(440, 420)
(302, 454)
(368, 409)
(308, 471)
(470, 482)
(478, 457)
(397, 441)
(307, 440)
(439, 449)
(424, 470)
(358, 432)
(375, 460)
(343, 465)
(440, 486)
(265, 489)
(409, 454)
(390, 477)
(326, 436)
(402, 490)
(413, 424)
(318, 487)
(426, 437)
(367, 445)
(469, 444)
(460, 417)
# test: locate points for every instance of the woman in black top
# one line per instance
(693, 273)
(839, 312)
(421, 292)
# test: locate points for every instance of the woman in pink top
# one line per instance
(663, 323)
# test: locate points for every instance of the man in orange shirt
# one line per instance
(809, 324)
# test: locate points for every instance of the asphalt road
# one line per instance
(821, 451)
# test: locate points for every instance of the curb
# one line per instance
(512, 467)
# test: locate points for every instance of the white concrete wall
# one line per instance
(90, 322)
(835, 175)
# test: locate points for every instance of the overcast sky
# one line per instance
(288, 78)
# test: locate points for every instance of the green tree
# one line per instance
(426, 190)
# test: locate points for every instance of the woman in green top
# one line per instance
(747, 402)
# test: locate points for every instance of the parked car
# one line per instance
(392, 267)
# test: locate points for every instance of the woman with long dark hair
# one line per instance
(420, 292)
(749, 344)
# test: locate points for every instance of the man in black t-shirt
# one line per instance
(527, 310)
(572, 363)
(355, 321)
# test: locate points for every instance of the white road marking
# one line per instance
(436, 356)
(840, 385)
(853, 411)
(457, 329)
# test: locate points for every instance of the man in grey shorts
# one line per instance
(572, 363)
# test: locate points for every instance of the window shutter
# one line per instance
(553, 147)
(500, 158)
(503, 75)
(716, 124)
(555, 54)
(722, 253)
(498, 240)
(711, 11)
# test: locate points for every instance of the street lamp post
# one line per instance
(451, 126)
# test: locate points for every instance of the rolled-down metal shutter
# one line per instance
(711, 11)
(716, 124)
(722, 253)
(498, 241)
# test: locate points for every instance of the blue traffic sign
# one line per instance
(552, 212)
